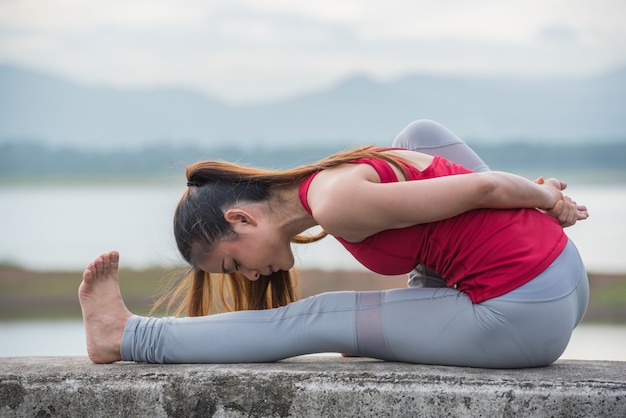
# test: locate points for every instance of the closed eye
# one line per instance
(235, 264)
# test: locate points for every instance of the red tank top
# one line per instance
(484, 253)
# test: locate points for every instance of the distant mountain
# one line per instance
(358, 110)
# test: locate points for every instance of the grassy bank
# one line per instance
(26, 294)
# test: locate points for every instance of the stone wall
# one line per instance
(308, 386)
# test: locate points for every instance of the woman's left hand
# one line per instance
(566, 210)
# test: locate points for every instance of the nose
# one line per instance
(250, 274)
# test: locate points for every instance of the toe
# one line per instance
(99, 266)
(88, 273)
(115, 259)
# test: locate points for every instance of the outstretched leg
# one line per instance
(104, 312)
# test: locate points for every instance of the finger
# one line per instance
(561, 185)
(581, 211)
(568, 215)
(573, 216)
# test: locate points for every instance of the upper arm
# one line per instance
(354, 205)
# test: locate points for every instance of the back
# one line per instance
(484, 253)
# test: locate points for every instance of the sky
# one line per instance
(246, 51)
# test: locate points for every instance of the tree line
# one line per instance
(34, 160)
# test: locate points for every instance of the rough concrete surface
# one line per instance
(308, 386)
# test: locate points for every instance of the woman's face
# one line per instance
(254, 252)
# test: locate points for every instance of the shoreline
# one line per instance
(30, 294)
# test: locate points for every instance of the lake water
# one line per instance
(67, 338)
(54, 227)
(64, 227)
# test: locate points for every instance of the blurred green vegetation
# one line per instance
(611, 296)
(26, 294)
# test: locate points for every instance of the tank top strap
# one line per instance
(382, 167)
(303, 192)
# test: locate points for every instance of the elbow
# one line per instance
(487, 190)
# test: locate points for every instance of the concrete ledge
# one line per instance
(307, 386)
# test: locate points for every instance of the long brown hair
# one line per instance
(214, 187)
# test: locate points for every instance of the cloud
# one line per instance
(245, 50)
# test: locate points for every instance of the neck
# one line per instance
(291, 217)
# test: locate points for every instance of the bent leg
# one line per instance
(493, 334)
(432, 138)
(527, 327)
(421, 276)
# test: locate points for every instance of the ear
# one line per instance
(240, 217)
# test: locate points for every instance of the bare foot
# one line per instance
(104, 312)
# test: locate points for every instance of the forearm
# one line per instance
(359, 208)
(508, 191)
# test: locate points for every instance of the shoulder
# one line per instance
(334, 183)
(333, 191)
(351, 201)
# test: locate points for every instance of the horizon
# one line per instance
(333, 84)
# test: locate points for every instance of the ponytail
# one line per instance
(214, 187)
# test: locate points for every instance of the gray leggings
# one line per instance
(527, 327)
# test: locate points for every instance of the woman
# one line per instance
(515, 286)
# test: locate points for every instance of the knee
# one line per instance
(424, 133)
